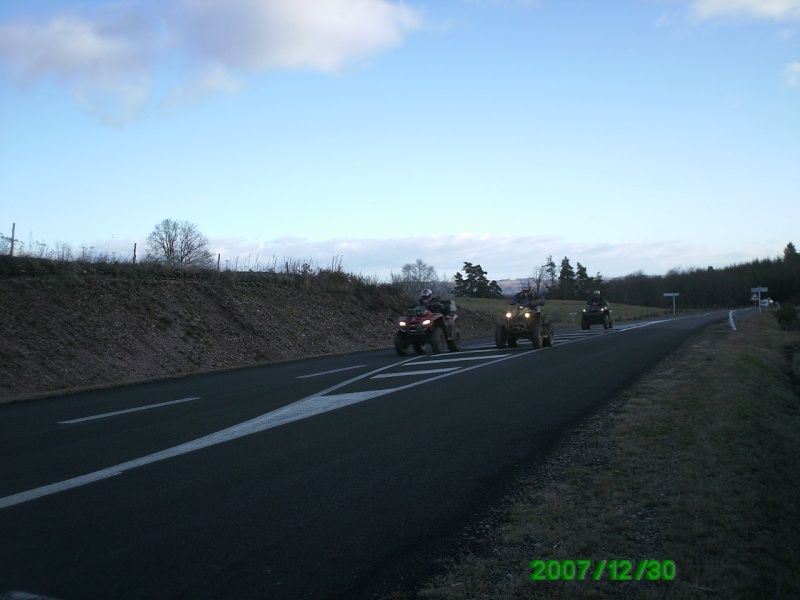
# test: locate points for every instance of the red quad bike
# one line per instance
(595, 313)
(524, 322)
(420, 326)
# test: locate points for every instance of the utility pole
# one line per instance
(13, 229)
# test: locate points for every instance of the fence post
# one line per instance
(732, 319)
(13, 229)
(134, 253)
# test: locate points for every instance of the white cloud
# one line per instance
(503, 257)
(778, 10)
(103, 62)
(108, 58)
(792, 74)
(215, 78)
(302, 34)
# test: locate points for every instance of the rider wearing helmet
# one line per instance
(526, 298)
(426, 298)
(597, 298)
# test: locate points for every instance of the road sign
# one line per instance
(759, 289)
(673, 294)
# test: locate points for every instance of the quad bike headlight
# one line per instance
(508, 315)
(527, 315)
(402, 323)
(426, 322)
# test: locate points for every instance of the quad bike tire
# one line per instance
(399, 344)
(500, 336)
(455, 343)
(438, 340)
(548, 341)
(606, 322)
(536, 335)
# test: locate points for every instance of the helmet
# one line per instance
(425, 295)
(597, 293)
(527, 287)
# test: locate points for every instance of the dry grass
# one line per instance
(698, 464)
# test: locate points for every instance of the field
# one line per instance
(566, 312)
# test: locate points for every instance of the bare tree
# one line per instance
(415, 276)
(179, 244)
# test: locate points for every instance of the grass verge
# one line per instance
(698, 464)
(563, 312)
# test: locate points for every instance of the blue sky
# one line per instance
(626, 135)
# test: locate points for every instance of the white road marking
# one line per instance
(329, 372)
(307, 407)
(431, 361)
(420, 372)
(129, 410)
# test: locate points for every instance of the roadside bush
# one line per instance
(787, 316)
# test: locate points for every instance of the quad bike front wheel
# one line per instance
(438, 340)
(536, 336)
(455, 343)
(549, 340)
(399, 344)
(500, 336)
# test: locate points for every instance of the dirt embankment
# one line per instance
(72, 325)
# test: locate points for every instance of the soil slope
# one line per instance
(76, 325)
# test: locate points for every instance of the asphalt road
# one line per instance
(337, 477)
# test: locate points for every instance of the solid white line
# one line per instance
(329, 372)
(307, 407)
(421, 372)
(130, 410)
(432, 361)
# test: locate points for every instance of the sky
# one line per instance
(625, 135)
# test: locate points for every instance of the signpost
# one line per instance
(757, 294)
(673, 294)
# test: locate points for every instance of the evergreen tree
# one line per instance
(566, 280)
(551, 275)
(790, 253)
(475, 284)
(582, 281)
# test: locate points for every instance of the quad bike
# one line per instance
(524, 322)
(420, 325)
(596, 313)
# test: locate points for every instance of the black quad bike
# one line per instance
(524, 322)
(596, 313)
(421, 325)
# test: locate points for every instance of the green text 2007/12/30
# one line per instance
(614, 570)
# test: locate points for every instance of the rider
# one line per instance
(526, 298)
(597, 298)
(427, 299)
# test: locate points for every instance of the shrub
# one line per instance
(787, 316)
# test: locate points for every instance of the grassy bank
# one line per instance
(564, 312)
(698, 464)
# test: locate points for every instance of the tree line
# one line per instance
(698, 288)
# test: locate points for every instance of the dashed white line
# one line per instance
(129, 410)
